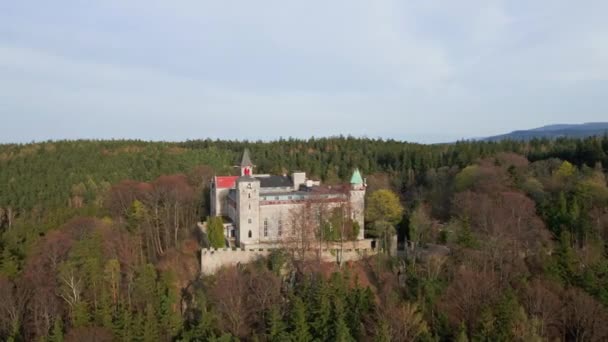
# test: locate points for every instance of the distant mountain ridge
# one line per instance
(555, 131)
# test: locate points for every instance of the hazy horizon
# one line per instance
(426, 72)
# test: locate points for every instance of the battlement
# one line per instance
(213, 259)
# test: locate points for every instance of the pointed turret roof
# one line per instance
(356, 178)
(246, 161)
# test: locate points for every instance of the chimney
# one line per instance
(298, 179)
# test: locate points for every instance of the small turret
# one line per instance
(356, 181)
(357, 201)
(246, 164)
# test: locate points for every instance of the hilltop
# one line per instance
(555, 131)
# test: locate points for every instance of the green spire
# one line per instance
(356, 178)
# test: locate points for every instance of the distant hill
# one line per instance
(555, 131)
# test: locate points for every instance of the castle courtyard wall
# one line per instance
(212, 260)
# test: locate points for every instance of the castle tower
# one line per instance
(357, 201)
(248, 210)
(246, 164)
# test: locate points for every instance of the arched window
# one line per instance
(265, 227)
(249, 234)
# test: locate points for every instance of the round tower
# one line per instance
(357, 201)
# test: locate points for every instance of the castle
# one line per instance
(259, 209)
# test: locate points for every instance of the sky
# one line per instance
(423, 71)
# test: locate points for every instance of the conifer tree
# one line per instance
(461, 336)
(125, 326)
(150, 325)
(341, 332)
(276, 327)
(299, 324)
(145, 285)
(57, 332)
(383, 333)
(170, 319)
(215, 232)
(138, 330)
(321, 313)
(80, 314)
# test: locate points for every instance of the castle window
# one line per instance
(249, 234)
(280, 227)
(265, 227)
(249, 220)
(249, 206)
(249, 194)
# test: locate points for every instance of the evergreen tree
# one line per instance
(383, 333)
(215, 232)
(299, 325)
(321, 313)
(170, 319)
(145, 286)
(461, 336)
(150, 325)
(8, 264)
(57, 332)
(105, 312)
(276, 327)
(80, 314)
(125, 326)
(139, 327)
(341, 332)
(464, 235)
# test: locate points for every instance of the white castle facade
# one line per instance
(259, 209)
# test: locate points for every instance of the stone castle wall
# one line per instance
(214, 259)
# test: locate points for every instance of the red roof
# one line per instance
(223, 182)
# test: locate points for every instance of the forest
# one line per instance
(98, 242)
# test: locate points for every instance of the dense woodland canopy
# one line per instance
(98, 241)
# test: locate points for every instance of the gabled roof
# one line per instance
(275, 181)
(356, 178)
(225, 182)
(246, 161)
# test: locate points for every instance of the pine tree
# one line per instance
(383, 333)
(150, 326)
(170, 320)
(462, 334)
(145, 286)
(124, 324)
(566, 259)
(276, 327)
(321, 313)
(105, 312)
(464, 236)
(8, 264)
(299, 324)
(341, 331)
(80, 314)
(138, 330)
(215, 232)
(57, 332)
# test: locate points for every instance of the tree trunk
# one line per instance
(10, 216)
